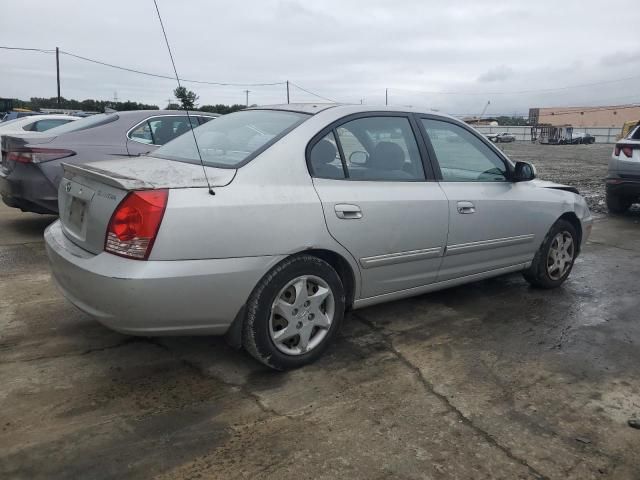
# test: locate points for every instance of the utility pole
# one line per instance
(287, 91)
(58, 73)
(386, 96)
(247, 94)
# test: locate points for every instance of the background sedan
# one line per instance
(31, 170)
(35, 123)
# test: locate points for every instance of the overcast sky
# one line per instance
(345, 50)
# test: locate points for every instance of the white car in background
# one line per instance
(34, 123)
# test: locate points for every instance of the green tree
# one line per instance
(186, 97)
(222, 109)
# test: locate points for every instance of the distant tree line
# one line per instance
(512, 121)
(36, 103)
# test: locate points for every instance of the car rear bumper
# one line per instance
(181, 297)
(624, 187)
(27, 188)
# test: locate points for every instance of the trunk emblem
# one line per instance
(67, 187)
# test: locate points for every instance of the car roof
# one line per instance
(313, 108)
(142, 113)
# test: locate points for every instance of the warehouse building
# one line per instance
(605, 116)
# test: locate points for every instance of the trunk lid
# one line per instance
(89, 194)
(17, 141)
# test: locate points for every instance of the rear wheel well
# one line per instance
(572, 218)
(343, 268)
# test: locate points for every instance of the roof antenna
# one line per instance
(204, 170)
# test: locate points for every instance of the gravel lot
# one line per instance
(488, 380)
(581, 166)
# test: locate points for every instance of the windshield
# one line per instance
(232, 139)
(84, 123)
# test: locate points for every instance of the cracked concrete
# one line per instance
(489, 380)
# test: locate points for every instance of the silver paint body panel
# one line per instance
(212, 250)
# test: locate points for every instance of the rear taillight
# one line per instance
(38, 155)
(135, 223)
(627, 150)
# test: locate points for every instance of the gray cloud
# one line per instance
(496, 74)
(343, 49)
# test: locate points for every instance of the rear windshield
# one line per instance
(84, 123)
(232, 139)
(635, 133)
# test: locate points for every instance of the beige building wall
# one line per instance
(606, 116)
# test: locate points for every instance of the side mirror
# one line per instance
(524, 172)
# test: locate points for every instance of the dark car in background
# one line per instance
(579, 138)
(31, 164)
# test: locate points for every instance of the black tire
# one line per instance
(617, 204)
(256, 338)
(537, 274)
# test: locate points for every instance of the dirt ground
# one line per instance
(488, 380)
(581, 166)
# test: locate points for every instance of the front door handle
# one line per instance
(347, 211)
(466, 207)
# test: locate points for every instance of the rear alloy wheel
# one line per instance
(618, 204)
(294, 313)
(553, 262)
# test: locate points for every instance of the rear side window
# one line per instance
(325, 160)
(370, 148)
(85, 123)
(44, 125)
(462, 156)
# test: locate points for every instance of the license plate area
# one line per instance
(77, 202)
(76, 214)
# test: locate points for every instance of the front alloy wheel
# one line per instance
(560, 256)
(301, 315)
(554, 259)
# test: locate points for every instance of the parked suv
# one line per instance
(31, 171)
(623, 178)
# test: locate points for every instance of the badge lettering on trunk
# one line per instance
(67, 187)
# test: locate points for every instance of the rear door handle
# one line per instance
(466, 207)
(347, 211)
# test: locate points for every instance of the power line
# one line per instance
(140, 72)
(312, 93)
(28, 49)
(222, 84)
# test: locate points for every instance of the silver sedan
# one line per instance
(282, 218)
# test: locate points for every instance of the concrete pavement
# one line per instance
(489, 380)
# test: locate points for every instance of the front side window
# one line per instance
(462, 156)
(377, 149)
(232, 139)
(160, 130)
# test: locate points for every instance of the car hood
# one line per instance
(557, 186)
(147, 172)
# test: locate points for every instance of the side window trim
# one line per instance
(343, 161)
(432, 152)
(333, 127)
